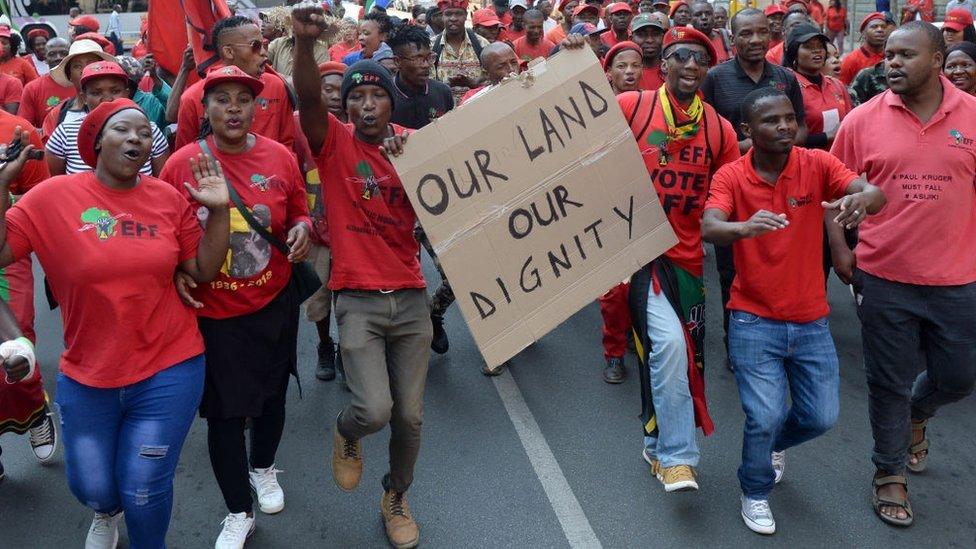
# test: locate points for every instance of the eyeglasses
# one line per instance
(683, 55)
(255, 45)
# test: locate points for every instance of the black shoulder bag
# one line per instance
(304, 281)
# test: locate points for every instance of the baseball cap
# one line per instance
(773, 9)
(231, 73)
(103, 68)
(618, 7)
(485, 18)
(518, 4)
(958, 19)
(584, 7)
(88, 21)
(656, 19)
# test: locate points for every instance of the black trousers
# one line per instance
(726, 275)
(905, 326)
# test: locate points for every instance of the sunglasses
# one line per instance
(255, 45)
(683, 55)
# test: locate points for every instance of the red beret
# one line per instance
(688, 35)
(38, 32)
(91, 127)
(677, 5)
(231, 73)
(871, 17)
(332, 67)
(103, 68)
(85, 21)
(445, 5)
(617, 48)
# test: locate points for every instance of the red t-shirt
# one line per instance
(816, 10)
(40, 96)
(836, 19)
(373, 247)
(20, 68)
(779, 275)
(830, 95)
(609, 38)
(556, 35)
(11, 90)
(273, 114)
(857, 60)
(313, 186)
(527, 52)
(925, 233)
(511, 35)
(652, 78)
(271, 187)
(339, 50)
(719, 42)
(110, 256)
(775, 54)
(34, 171)
(682, 184)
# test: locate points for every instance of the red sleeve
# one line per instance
(27, 109)
(20, 230)
(12, 91)
(838, 176)
(297, 198)
(30, 73)
(188, 233)
(330, 144)
(51, 121)
(286, 128)
(188, 120)
(720, 192)
(34, 171)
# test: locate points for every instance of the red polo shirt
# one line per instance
(854, 62)
(779, 275)
(527, 52)
(925, 233)
(829, 95)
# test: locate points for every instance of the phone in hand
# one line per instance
(13, 151)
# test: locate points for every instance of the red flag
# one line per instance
(167, 38)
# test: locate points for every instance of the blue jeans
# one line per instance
(667, 360)
(121, 446)
(771, 359)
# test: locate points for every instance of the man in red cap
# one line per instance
(703, 20)
(81, 25)
(874, 33)
(565, 8)
(683, 141)
(586, 13)
(486, 24)
(775, 14)
(238, 42)
(533, 44)
(620, 16)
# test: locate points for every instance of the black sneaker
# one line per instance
(614, 373)
(339, 369)
(326, 369)
(439, 344)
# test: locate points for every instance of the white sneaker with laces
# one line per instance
(237, 528)
(44, 437)
(104, 531)
(264, 482)
(758, 516)
(779, 464)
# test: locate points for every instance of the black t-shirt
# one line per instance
(416, 108)
(726, 84)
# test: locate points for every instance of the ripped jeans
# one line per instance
(121, 446)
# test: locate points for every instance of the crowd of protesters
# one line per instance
(180, 209)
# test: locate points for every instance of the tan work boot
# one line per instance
(401, 529)
(347, 461)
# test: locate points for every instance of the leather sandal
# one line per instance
(920, 450)
(878, 502)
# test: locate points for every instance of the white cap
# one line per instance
(520, 3)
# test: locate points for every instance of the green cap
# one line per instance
(649, 20)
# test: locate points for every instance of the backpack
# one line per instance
(438, 47)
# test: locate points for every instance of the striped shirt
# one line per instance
(64, 145)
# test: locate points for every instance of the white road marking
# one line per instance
(575, 525)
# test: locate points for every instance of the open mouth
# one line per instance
(132, 154)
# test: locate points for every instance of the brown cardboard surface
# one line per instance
(562, 208)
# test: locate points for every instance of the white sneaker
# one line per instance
(44, 437)
(264, 482)
(104, 531)
(779, 464)
(758, 516)
(237, 528)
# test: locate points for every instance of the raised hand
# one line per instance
(211, 188)
(308, 21)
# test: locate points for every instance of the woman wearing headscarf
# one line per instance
(248, 316)
(960, 66)
(131, 375)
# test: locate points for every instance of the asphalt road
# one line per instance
(548, 456)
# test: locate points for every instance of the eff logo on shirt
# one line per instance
(106, 225)
(959, 138)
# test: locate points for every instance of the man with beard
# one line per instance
(724, 88)
(533, 44)
(680, 137)
(703, 19)
(914, 267)
(238, 42)
(874, 33)
(457, 51)
(647, 31)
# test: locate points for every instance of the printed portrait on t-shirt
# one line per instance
(249, 253)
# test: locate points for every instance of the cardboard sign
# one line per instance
(536, 200)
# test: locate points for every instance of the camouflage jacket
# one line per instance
(868, 83)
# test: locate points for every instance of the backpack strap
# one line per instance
(475, 43)
(645, 115)
(437, 48)
(711, 125)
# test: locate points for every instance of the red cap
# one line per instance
(871, 17)
(485, 18)
(618, 7)
(773, 9)
(688, 35)
(801, 2)
(4, 31)
(617, 48)
(38, 32)
(677, 5)
(85, 21)
(332, 67)
(231, 73)
(92, 126)
(102, 68)
(106, 45)
(445, 5)
(583, 7)
(958, 19)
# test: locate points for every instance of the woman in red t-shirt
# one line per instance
(247, 315)
(825, 99)
(10, 63)
(131, 375)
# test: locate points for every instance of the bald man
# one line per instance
(498, 59)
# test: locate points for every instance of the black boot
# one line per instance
(326, 369)
(614, 372)
(439, 344)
